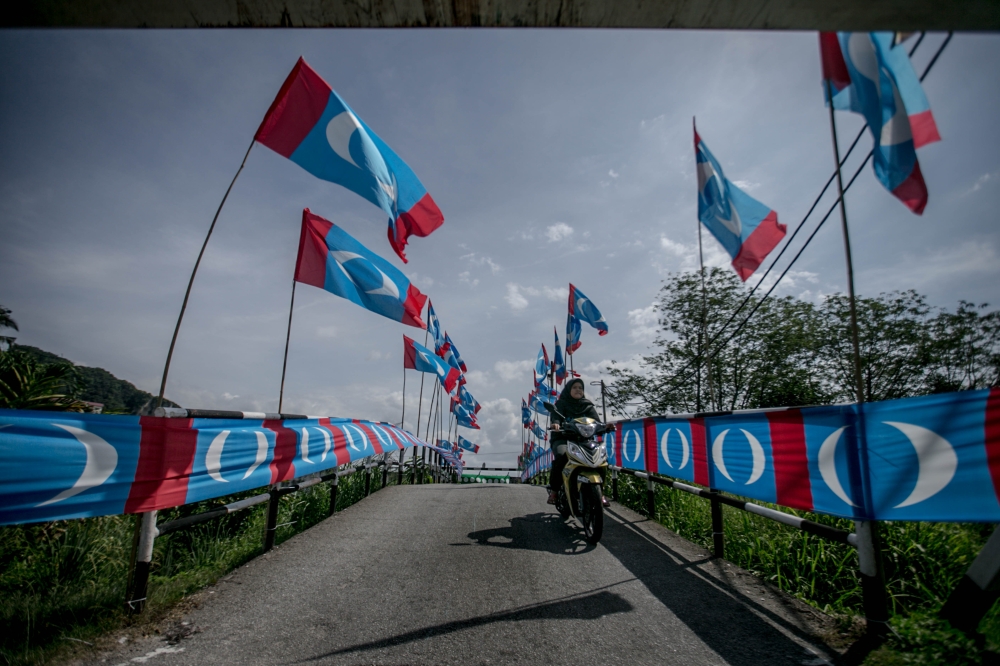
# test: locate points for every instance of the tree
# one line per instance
(27, 384)
(6, 321)
(965, 349)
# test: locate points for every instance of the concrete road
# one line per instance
(485, 574)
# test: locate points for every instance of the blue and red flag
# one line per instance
(420, 358)
(454, 351)
(558, 360)
(311, 125)
(883, 87)
(469, 402)
(573, 330)
(525, 414)
(537, 430)
(331, 259)
(434, 326)
(465, 419)
(584, 309)
(745, 227)
(542, 363)
(467, 445)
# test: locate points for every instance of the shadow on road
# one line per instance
(545, 532)
(722, 617)
(589, 607)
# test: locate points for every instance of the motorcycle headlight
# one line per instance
(586, 429)
(575, 451)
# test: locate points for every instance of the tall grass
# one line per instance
(66, 579)
(923, 561)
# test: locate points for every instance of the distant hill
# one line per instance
(99, 385)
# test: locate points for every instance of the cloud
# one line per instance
(746, 185)
(514, 297)
(645, 324)
(465, 277)
(674, 247)
(982, 180)
(613, 173)
(558, 231)
(375, 355)
(326, 332)
(477, 260)
(229, 396)
(510, 371)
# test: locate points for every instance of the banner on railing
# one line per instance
(449, 456)
(933, 458)
(541, 463)
(58, 465)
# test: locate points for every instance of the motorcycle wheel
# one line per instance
(593, 513)
(562, 504)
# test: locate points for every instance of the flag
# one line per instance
(885, 89)
(418, 357)
(572, 333)
(525, 414)
(447, 352)
(331, 259)
(745, 227)
(311, 125)
(538, 432)
(560, 363)
(466, 420)
(454, 351)
(434, 326)
(467, 400)
(536, 402)
(467, 445)
(542, 363)
(583, 309)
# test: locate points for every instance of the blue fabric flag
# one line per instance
(584, 309)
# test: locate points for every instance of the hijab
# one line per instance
(571, 407)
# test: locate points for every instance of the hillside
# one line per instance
(99, 385)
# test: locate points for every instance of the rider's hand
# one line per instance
(554, 426)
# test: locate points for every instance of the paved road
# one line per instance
(485, 574)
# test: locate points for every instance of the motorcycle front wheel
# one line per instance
(562, 503)
(593, 513)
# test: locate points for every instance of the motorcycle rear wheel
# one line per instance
(593, 513)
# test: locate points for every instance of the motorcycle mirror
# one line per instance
(552, 408)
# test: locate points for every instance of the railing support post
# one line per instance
(368, 480)
(614, 485)
(270, 527)
(718, 536)
(399, 476)
(385, 474)
(873, 594)
(136, 600)
(333, 494)
(650, 499)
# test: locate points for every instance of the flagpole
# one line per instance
(402, 419)
(187, 293)
(288, 336)
(874, 596)
(420, 407)
(704, 308)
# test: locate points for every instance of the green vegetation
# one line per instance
(66, 579)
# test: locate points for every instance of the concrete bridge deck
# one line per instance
(486, 574)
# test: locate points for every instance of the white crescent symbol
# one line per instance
(326, 443)
(102, 459)
(936, 459)
(364, 439)
(388, 287)
(861, 52)
(339, 131)
(685, 449)
(734, 223)
(261, 453)
(382, 436)
(304, 447)
(717, 454)
(638, 446)
(757, 451)
(663, 446)
(213, 459)
(828, 466)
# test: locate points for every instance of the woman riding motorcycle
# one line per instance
(572, 404)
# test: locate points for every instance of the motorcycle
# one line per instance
(581, 492)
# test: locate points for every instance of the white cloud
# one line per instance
(375, 355)
(510, 371)
(613, 173)
(229, 396)
(326, 332)
(645, 324)
(478, 260)
(673, 247)
(558, 231)
(514, 297)
(467, 279)
(746, 185)
(982, 180)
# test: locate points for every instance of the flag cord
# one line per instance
(402, 419)
(187, 294)
(284, 364)
(679, 375)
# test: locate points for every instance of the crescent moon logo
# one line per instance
(350, 439)
(717, 454)
(213, 459)
(828, 466)
(664, 441)
(339, 131)
(261, 453)
(757, 451)
(326, 443)
(383, 438)
(304, 446)
(638, 446)
(388, 287)
(685, 448)
(936, 461)
(102, 460)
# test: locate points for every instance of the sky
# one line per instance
(556, 156)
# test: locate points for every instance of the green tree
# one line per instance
(27, 384)
(6, 321)
(965, 349)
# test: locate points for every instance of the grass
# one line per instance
(923, 563)
(64, 581)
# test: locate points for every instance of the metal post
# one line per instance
(270, 527)
(368, 480)
(413, 475)
(614, 485)
(650, 499)
(399, 475)
(718, 537)
(385, 473)
(333, 494)
(136, 601)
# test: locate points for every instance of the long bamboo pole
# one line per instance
(288, 336)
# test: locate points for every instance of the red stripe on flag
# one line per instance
(310, 266)
(761, 241)
(619, 460)
(413, 306)
(422, 219)
(923, 128)
(832, 58)
(699, 451)
(913, 191)
(372, 437)
(649, 445)
(166, 459)
(993, 437)
(295, 111)
(339, 442)
(791, 466)
(285, 443)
